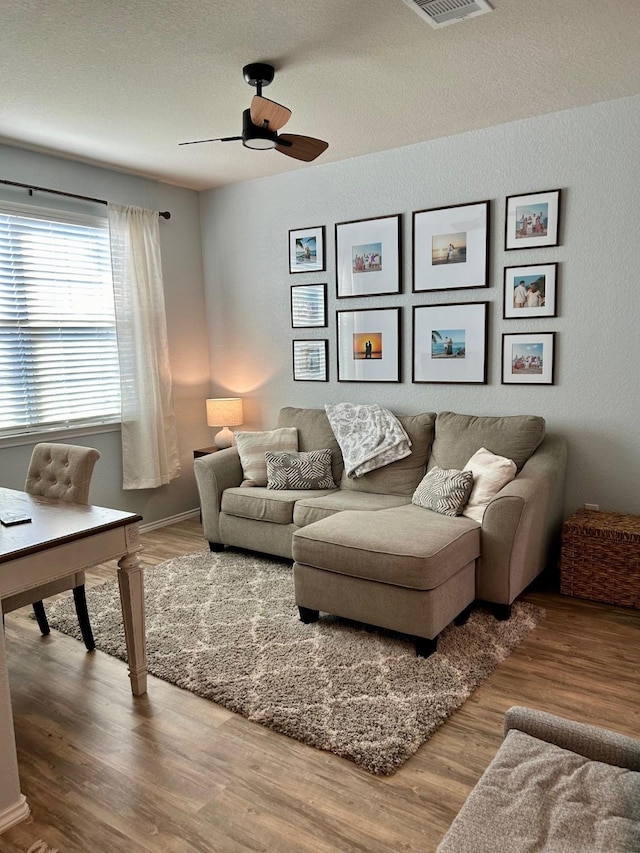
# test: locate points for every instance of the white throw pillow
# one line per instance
(252, 447)
(490, 474)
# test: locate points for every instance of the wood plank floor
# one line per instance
(105, 772)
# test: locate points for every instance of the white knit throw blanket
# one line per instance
(369, 436)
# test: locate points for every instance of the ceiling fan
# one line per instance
(264, 118)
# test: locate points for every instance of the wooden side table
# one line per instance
(203, 451)
(600, 557)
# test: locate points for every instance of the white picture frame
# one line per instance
(368, 257)
(451, 247)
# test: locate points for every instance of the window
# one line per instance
(58, 350)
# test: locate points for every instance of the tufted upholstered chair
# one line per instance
(61, 471)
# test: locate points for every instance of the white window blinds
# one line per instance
(58, 351)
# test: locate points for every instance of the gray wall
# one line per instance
(187, 331)
(591, 153)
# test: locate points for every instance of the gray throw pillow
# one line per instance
(310, 470)
(444, 490)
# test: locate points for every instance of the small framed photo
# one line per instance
(306, 249)
(528, 359)
(308, 306)
(310, 361)
(530, 291)
(369, 345)
(450, 343)
(532, 220)
(368, 257)
(451, 247)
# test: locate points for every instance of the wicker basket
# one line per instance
(600, 557)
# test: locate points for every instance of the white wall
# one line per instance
(187, 332)
(591, 153)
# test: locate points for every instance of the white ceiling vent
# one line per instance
(440, 13)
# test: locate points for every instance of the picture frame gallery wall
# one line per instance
(450, 252)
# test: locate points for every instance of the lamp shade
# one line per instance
(224, 411)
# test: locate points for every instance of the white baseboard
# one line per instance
(174, 519)
(14, 814)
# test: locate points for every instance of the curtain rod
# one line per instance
(165, 214)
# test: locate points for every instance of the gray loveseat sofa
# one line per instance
(364, 551)
(554, 785)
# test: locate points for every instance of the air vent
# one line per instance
(440, 13)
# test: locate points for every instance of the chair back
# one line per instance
(61, 471)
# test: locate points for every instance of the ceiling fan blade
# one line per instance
(217, 139)
(262, 109)
(301, 147)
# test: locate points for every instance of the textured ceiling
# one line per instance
(121, 82)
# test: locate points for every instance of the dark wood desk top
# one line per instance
(52, 521)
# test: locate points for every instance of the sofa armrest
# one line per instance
(592, 742)
(521, 525)
(215, 473)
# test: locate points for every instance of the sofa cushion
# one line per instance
(537, 796)
(314, 433)
(401, 477)
(311, 470)
(262, 504)
(405, 546)
(490, 473)
(444, 490)
(308, 510)
(458, 437)
(253, 445)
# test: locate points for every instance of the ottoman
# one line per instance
(406, 568)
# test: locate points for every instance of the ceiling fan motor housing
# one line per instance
(260, 138)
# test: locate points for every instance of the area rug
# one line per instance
(225, 626)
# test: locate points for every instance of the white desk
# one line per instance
(61, 539)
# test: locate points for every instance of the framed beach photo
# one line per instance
(532, 220)
(451, 247)
(308, 306)
(311, 360)
(306, 249)
(369, 345)
(368, 257)
(528, 359)
(530, 291)
(450, 343)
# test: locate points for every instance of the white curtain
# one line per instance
(149, 443)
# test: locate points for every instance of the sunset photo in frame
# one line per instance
(532, 220)
(368, 257)
(306, 249)
(310, 360)
(369, 345)
(528, 358)
(530, 291)
(450, 343)
(451, 247)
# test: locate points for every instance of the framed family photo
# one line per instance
(528, 359)
(530, 291)
(306, 249)
(368, 257)
(310, 361)
(532, 220)
(451, 247)
(308, 306)
(369, 345)
(450, 343)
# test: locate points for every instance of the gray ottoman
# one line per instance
(404, 568)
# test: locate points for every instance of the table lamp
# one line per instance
(224, 412)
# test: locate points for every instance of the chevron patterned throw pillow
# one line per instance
(444, 490)
(310, 470)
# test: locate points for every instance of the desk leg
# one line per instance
(13, 805)
(130, 580)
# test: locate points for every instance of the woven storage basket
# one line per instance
(600, 557)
